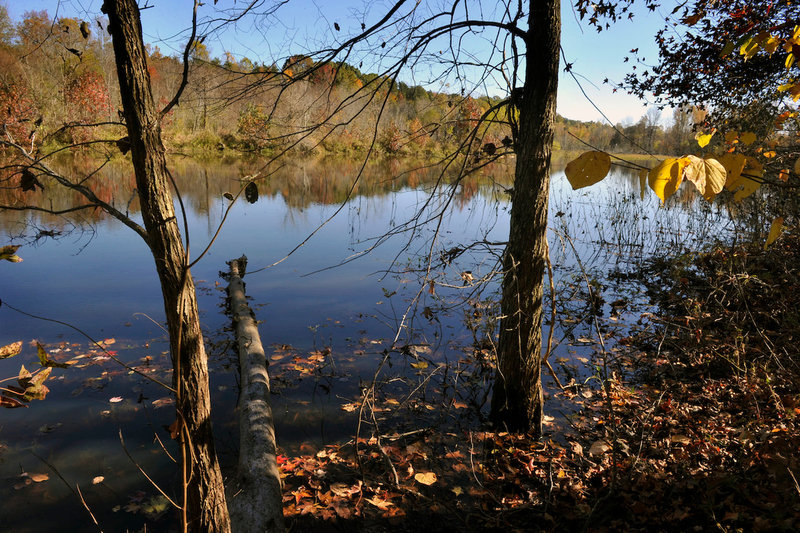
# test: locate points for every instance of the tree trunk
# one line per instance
(255, 504)
(205, 505)
(517, 396)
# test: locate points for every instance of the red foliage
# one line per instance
(468, 115)
(324, 75)
(17, 112)
(87, 97)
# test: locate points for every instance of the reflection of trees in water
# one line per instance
(299, 183)
(305, 182)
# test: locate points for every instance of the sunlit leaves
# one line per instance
(733, 164)
(708, 176)
(743, 181)
(10, 350)
(735, 172)
(33, 384)
(775, 231)
(9, 253)
(749, 48)
(666, 178)
(588, 169)
(703, 138)
(426, 478)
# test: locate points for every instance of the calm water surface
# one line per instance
(98, 276)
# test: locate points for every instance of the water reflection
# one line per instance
(104, 283)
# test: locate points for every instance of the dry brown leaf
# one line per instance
(426, 478)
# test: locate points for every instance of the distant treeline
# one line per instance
(58, 86)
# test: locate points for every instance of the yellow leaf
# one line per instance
(745, 185)
(732, 137)
(666, 177)
(770, 44)
(707, 175)
(426, 478)
(797, 167)
(789, 60)
(8, 253)
(748, 138)
(749, 48)
(643, 181)
(727, 49)
(783, 175)
(703, 138)
(420, 365)
(10, 350)
(734, 164)
(775, 231)
(770, 154)
(588, 169)
(378, 502)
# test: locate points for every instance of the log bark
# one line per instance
(255, 502)
(205, 506)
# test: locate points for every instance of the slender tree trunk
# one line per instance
(517, 397)
(206, 509)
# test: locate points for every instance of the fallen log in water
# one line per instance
(255, 501)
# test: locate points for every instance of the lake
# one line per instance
(330, 312)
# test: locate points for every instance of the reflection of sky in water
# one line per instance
(105, 286)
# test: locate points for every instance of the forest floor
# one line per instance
(693, 428)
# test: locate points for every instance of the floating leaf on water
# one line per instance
(38, 478)
(10, 403)
(45, 361)
(10, 350)
(115, 399)
(8, 253)
(97, 479)
(420, 365)
(163, 402)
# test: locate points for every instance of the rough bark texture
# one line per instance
(517, 396)
(206, 507)
(255, 502)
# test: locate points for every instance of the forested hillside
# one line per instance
(58, 80)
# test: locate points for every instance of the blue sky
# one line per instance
(307, 23)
